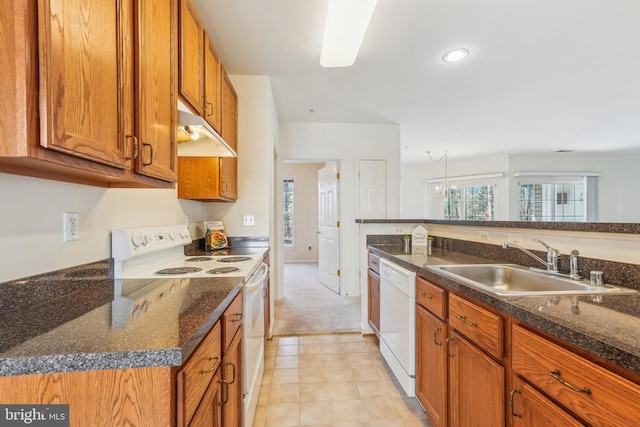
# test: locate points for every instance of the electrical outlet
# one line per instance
(398, 230)
(248, 220)
(483, 236)
(516, 238)
(71, 226)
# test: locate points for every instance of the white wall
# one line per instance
(31, 221)
(346, 143)
(305, 211)
(256, 134)
(616, 189)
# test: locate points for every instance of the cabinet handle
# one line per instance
(435, 336)
(424, 295)
(514, 391)
(226, 395)
(446, 343)
(150, 153)
(233, 380)
(209, 104)
(465, 321)
(135, 147)
(238, 318)
(215, 366)
(558, 376)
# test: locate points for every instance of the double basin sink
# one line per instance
(514, 280)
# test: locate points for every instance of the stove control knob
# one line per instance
(184, 233)
(146, 239)
(136, 239)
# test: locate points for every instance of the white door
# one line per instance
(329, 227)
(373, 188)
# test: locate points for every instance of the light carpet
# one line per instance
(309, 307)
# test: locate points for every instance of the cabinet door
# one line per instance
(212, 80)
(232, 382)
(209, 412)
(229, 178)
(155, 88)
(431, 366)
(229, 112)
(528, 408)
(374, 302)
(81, 73)
(191, 56)
(476, 386)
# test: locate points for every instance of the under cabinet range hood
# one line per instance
(196, 137)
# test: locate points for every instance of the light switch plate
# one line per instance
(248, 220)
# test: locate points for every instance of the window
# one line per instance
(552, 201)
(288, 212)
(470, 203)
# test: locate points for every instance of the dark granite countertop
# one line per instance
(609, 329)
(78, 319)
(599, 227)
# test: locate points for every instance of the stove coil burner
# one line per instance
(235, 259)
(223, 270)
(178, 270)
(199, 259)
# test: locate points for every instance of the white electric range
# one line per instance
(158, 253)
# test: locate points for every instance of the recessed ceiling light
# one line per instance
(344, 30)
(455, 55)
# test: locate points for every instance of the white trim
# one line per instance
(548, 173)
(467, 177)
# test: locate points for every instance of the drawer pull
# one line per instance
(465, 321)
(238, 317)
(558, 376)
(215, 366)
(424, 295)
(514, 391)
(435, 336)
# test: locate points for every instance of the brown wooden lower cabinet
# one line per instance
(374, 302)
(528, 408)
(431, 366)
(232, 404)
(209, 413)
(118, 397)
(476, 386)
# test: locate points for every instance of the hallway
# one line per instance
(308, 307)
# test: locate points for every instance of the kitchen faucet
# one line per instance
(552, 255)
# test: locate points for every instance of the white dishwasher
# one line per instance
(398, 322)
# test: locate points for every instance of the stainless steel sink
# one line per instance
(516, 280)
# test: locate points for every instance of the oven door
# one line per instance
(253, 336)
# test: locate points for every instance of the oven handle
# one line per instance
(254, 283)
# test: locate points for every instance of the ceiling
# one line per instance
(541, 75)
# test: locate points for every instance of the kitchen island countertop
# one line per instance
(609, 329)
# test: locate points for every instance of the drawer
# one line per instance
(231, 321)
(481, 326)
(590, 391)
(196, 374)
(374, 262)
(431, 297)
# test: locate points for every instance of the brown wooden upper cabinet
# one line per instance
(205, 88)
(200, 72)
(103, 78)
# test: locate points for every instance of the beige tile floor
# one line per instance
(331, 380)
